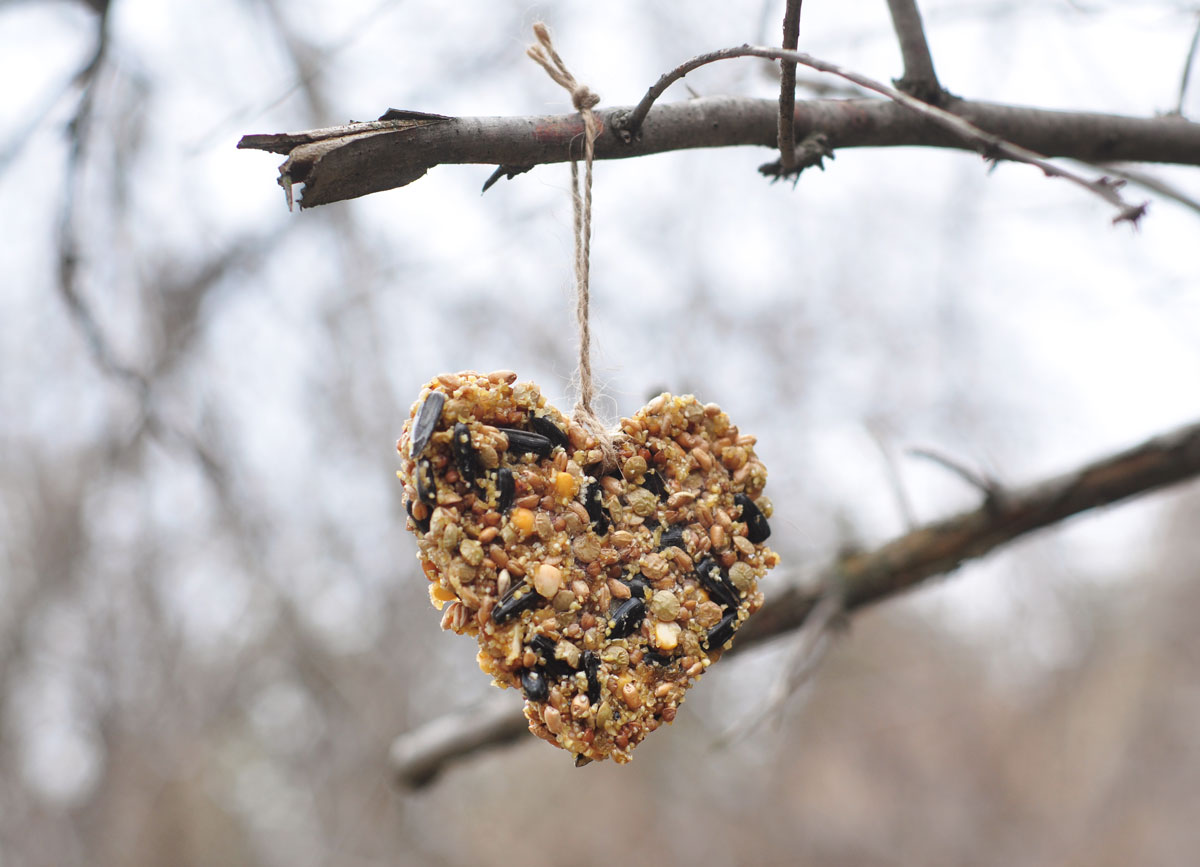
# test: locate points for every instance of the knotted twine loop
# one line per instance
(584, 101)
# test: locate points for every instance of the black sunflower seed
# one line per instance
(423, 526)
(672, 537)
(713, 579)
(627, 617)
(506, 489)
(526, 442)
(591, 666)
(427, 418)
(722, 632)
(654, 483)
(593, 500)
(426, 487)
(518, 598)
(535, 685)
(757, 528)
(653, 657)
(549, 430)
(543, 646)
(464, 454)
(639, 587)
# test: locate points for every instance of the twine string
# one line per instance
(584, 101)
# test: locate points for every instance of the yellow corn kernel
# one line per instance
(440, 595)
(565, 485)
(666, 635)
(522, 519)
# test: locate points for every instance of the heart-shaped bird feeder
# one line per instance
(603, 596)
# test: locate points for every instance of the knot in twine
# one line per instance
(584, 101)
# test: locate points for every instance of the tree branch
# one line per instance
(919, 78)
(870, 576)
(1187, 68)
(787, 89)
(358, 159)
(1150, 182)
(990, 145)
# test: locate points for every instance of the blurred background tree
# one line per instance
(211, 623)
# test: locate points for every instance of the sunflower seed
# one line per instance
(534, 683)
(638, 587)
(543, 646)
(464, 454)
(713, 579)
(653, 657)
(591, 666)
(672, 537)
(526, 442)
(426, 487)
(722, 632)
(627, 618)
(593, 501)
(654, 483)
(518, 598)
(506, 489)
(757, 528)
(549, 430)
(427, 418)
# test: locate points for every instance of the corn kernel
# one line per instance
(565, 485)
(440, 595)
(666, 635)
(522, 519)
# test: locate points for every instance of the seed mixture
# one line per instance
(602, 596)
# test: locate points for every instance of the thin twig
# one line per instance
(1150, 182)
(991, 146)
(1187, 69)
(984, 483)
(810, 644)
(895, 480)
(867, 577)
(787, 89)
(71, 259)
(919, 78)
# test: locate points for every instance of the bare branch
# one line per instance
(1150, 182)
(873, 576)
(984, 483)
(1187, 68)
(420, 755)
(895, 480)
(810, 643)
(919, 78)
(990, 145)
(357, 159)
(787, 89)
